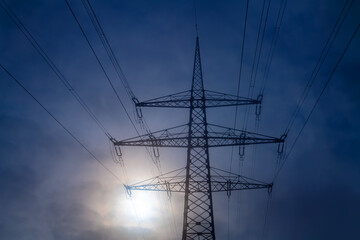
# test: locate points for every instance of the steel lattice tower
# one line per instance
(200, 179)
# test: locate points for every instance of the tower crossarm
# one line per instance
(220, 136)
(217, 137)
(177, 100)
(170, 137)
(219, 183)
(217, 99)
(212, 99)
(199, 186)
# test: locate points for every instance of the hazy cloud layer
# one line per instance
(50, 188)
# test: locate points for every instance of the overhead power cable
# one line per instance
(258, 46)
(73, 136)
(100, 64)
(66, 83)
(301, 101)
(108, 79)
(317, 101)
(102, 36)
(267, 212)
(240, 73)
(274, 39)
(90, 11)
(256, 60)
(241, 58)
(51, 64)
(61, 125)
(328, 45)
(238, 95)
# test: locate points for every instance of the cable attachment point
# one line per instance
(281, 145)
(118, 151)
(154, 146)
(128, 191)
(258, 106)
(228, 189)
(137, 108)
(168, 190)
(113, 140)
(118, 158)
(242, 145)
(270, 188)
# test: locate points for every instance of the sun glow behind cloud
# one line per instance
(141, 208)
(143, 205)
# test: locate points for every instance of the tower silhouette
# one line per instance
(198, 180)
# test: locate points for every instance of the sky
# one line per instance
(51, 188)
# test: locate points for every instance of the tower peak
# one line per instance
(197, 86)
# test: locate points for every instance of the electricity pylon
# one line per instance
(200, 180)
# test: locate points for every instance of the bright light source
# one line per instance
(143, 205)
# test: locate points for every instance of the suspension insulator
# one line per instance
(270, 188)
(118, 151)
(168, 190)
(241, 151)
(258, 106)
(128, 191)
(156, 152)
(137, 108)
(242, 145)
(281, 145)
(154, 142)
(228, 190)
(117, 157)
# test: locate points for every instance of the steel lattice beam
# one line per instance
(172, 182)
(199, 186)
(179, 139)
(183, 100)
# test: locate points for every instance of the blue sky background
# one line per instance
(50, 188)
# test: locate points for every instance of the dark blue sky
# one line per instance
(50, 188)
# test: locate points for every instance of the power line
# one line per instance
(257, 60)
(99, 30)
(256, 54)
(267, 212)
(242, 57)
(240, 73)
(72, 135)
(238, 94)
(108, 78)
(100, 64)
(114, 156)
(65, 128)
(104, 40)
(328, 45)
(262, 39)
(317, 101)
(51, 64)
(275, 36)
(310, 82)
(95, 21)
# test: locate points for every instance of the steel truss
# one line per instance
(227, 182)
(198, 180)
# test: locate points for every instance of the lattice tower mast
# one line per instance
(200, 179)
